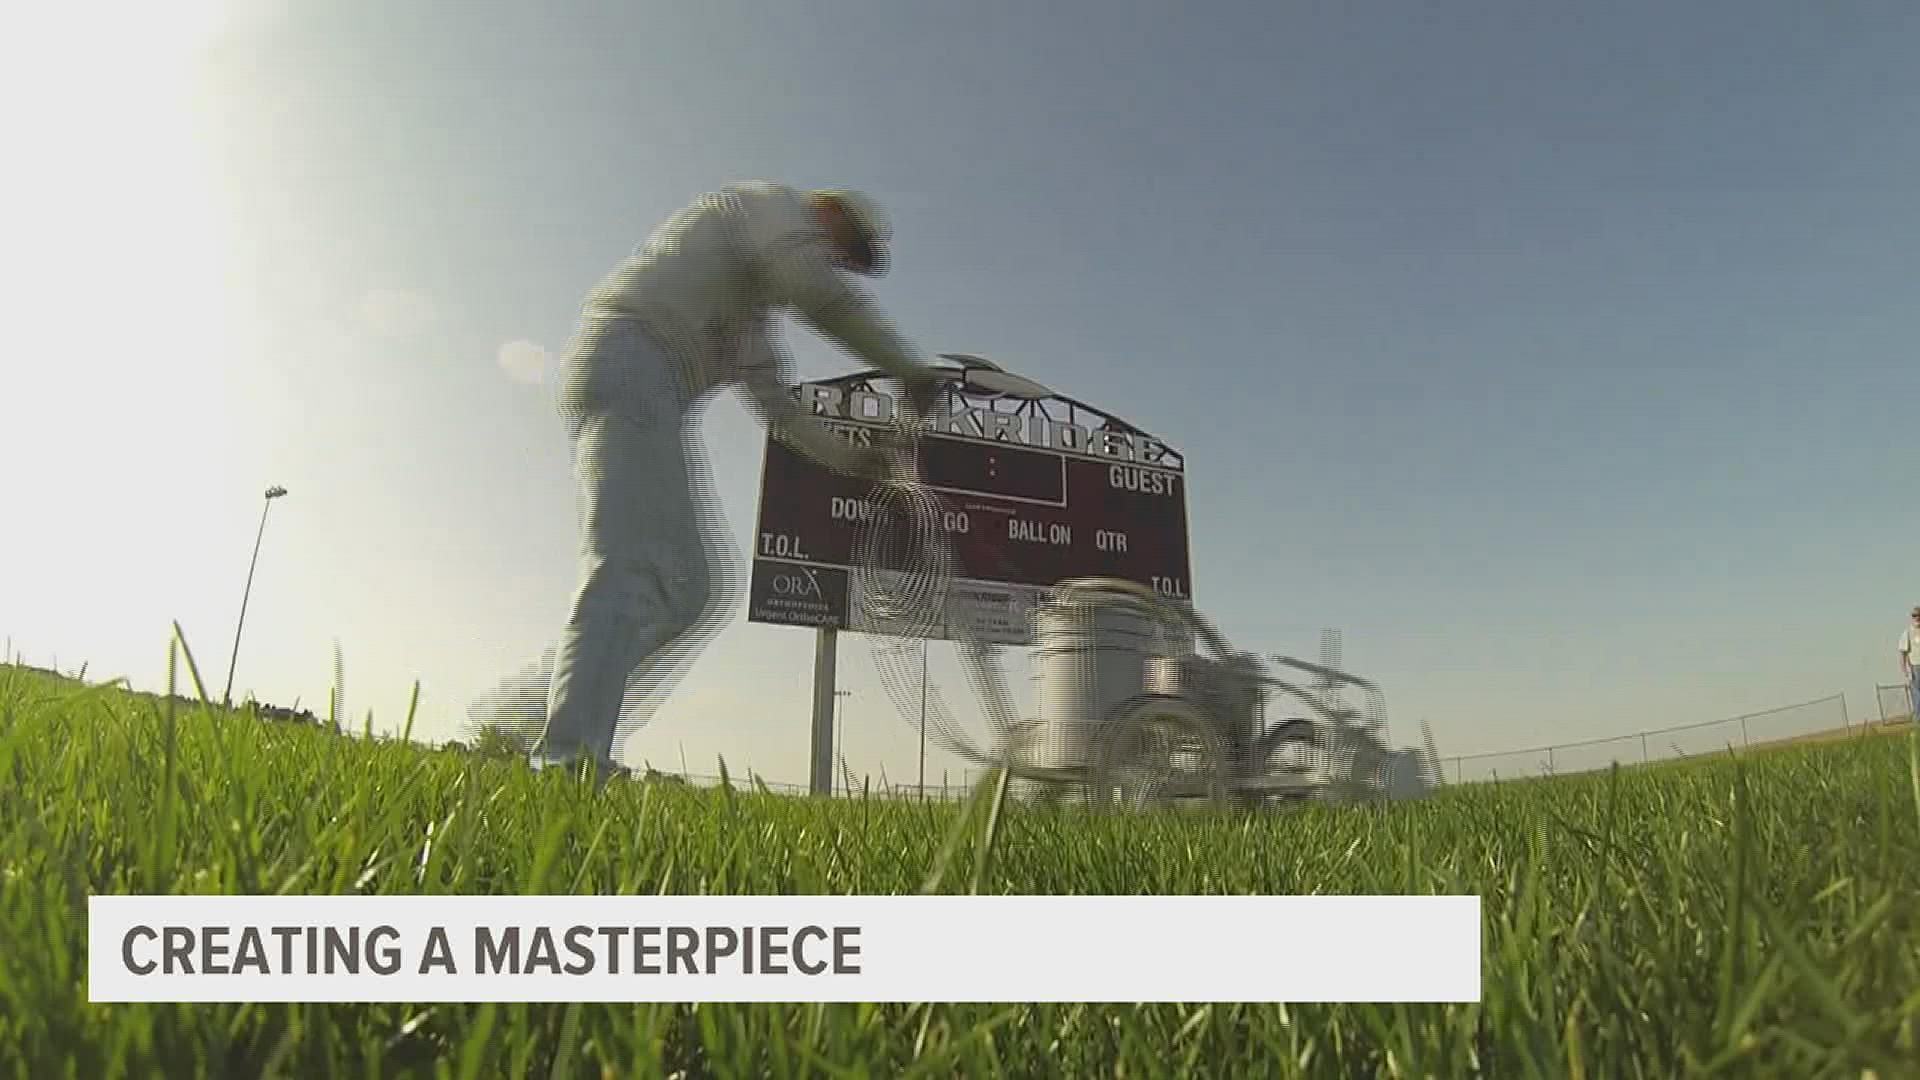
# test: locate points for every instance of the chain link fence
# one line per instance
(1895, 701)
(1784, 724)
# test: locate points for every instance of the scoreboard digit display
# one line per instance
(1037, 491)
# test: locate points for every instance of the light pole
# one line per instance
(274, 492)
(923, 718)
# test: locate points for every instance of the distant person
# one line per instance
(687, 314)
(1909, 644)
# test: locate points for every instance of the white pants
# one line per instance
(646, 600)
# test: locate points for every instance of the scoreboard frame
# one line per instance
(1039, 489)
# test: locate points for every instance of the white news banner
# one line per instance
(784, 948)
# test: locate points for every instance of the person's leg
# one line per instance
(707, 580)
(644, 579)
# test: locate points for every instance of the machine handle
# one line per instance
(1182, 612)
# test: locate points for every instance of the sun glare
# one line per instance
(117, 254)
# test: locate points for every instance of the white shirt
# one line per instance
(1909, 639)
(709, 279)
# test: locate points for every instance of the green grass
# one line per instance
(1755, 916)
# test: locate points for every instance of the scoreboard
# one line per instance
(1035, 494)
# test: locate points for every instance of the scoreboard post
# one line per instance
(1039, 488)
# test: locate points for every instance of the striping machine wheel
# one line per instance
(1156, 751)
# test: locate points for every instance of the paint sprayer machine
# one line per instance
(1142, 702)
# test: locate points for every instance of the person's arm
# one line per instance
(763, 372)
(1906, 654)
(799, 265)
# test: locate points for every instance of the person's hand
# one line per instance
(922, 397)
(873, 463)
(881, 462)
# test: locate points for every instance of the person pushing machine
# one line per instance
(685, 315)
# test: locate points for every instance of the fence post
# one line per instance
(1744, 741)
(1644, 759)
(1550, 769)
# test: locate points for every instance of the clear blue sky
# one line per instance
(1564, 360)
